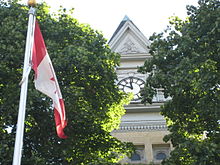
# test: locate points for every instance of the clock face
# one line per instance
(133, 85)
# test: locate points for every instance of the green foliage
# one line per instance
(186, 64)
(85, 68)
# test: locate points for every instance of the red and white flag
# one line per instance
(46, 81)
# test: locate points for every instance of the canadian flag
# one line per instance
(46, 81)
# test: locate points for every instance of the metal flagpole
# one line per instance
(24, 84)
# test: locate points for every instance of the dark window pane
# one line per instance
(161, 156)
(135, 157)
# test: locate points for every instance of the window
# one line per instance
(138, 156)
(161, 155)
(135, 157)
(160, 152)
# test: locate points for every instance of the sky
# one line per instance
(105, 15)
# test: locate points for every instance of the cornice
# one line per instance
(135, 57)
(141, 126)
(137, 107)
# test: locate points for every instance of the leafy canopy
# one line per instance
(186, 64)
(85, 68)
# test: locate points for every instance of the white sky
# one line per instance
(105, 15)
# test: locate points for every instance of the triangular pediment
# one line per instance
(128, 39)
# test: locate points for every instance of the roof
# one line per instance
(125, 19)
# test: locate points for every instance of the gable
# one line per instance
(128, 39)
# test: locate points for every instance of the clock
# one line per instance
(133, 85)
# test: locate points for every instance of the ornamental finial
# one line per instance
(32, 3)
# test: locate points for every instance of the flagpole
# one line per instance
(24, 84)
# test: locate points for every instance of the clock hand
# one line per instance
(128, 86)
(131, 85)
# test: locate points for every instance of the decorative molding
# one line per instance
(128, 28)
(142, 126)
(129, 48)
(135, 57)
(126, 73)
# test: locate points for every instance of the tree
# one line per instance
(186, 64)
(85, 68)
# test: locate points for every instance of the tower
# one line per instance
(142, 124)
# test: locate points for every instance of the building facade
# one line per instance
(142, 124)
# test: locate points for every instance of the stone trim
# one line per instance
(142, 126)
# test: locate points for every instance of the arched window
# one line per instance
(135, 157)
(161, 156)
(160, 151)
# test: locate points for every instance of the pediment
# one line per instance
(128, 39)
(129, 44)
